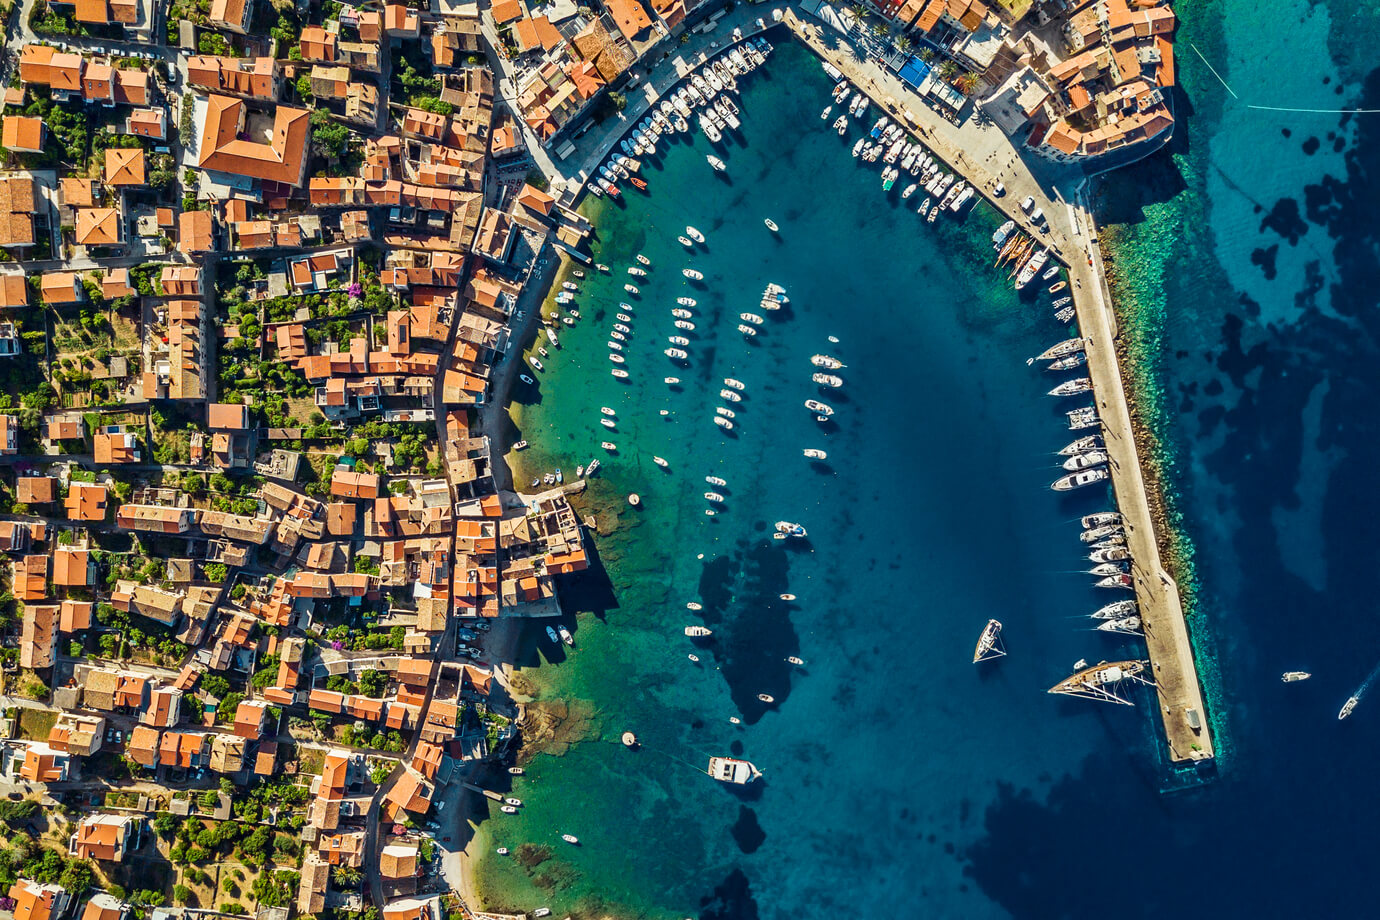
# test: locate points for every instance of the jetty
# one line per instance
(983, 155)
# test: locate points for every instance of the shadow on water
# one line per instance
(589, 590)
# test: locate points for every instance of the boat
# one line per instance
(1069, 363)
(1065, 314)
(1101, 532)
(671, 381)
(1347, 707)
(1110, 554)
(715, 481)
(726, 413)
(1085, 461)
(508, 809)
(566, 637)
(790, 529)
(1030, 268)
(815, 454)
(606, 445)
(1064, 349)
(1079, 479)
(631, 289)
(751, 318)
(1085, 417)
(730, 395)
(766, 698)
(551, 337)
(1107, 568)
(571, 839)
(618, 336)
(608, 423)
(1116, 539)
(909, 190)
(569, 285)
(1082, 445)
(1128, 626)
(614, 345)
(734, 383)
(828, 380)
(516, 803)
(600, 266)
(694, 234)
(1062, 302)
(520, 445)
(723, 423)
(826, 361)
(1100, 519)
(686, 301)
(732, 770)
(771, 225)
(714, 497)
(1115, 610)
(525, 379)
(676, 353)
(819, 408)
(697, 632)
(989, 644)
(717, 163)
(1058, 286)
(685, 324)
(637, 272)
(1001, 233)
(746, 329)
(551, 634)
(1115, 581)
(616, 358)
(692, 274)
(678, 340)
(536, 363)
(1100, 681)
(858, 147)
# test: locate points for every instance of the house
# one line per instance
(38, 635)
(115, 284)
(180, 281)
(410, 793)
(98, 227)
(399, 860)
(35, 490)
(250, 719)
(9, 434)
(112, 445)
(19, 200)
(40, 763)
(253, 78)
(124, 166)
(143, 746)
(401, 22)
(86, 501)
(103, 906)
(61, 288)
(76, 734)
(630, 17)
(14, 292)
(195, 232)
(31, 578)
(164, 708)
(317, 45)
(155, 518)
(228, 417)
(73, 568)
(150, 123)
(74, 616)
(347, 483)
(33, 901)
(108, 838)
(182, 749)
(281, 157)
(232, 15)
(22, 134)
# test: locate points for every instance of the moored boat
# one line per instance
(1295, 676)
(1100, 681)
(1079, 479)
(1115, 610)
(989, 644)
(827, 361)
(732, 770)
(1082, 445)
(819, 408)
(828, 380)
(790, 529)
(692, 274)
(698, 631)
(815, 454)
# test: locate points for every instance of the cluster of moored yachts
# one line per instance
(1086, 458)
(703, 98)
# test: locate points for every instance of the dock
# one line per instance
(982, 155)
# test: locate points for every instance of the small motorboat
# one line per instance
(736, 384)
(789, 529)
(616, 358)
(698, 631)
(637, 272)
(714, 497)
(692, 274)
(717, 163)
(508, 809)
(567, 638)
(605, 410)
(827, 380)
(686, 301)
(551, 634)
(787, 597)
(766, 697)
(569, 286)
(661, 462)
(643, 260)
(726, 413)
(619, 373)
(819, 408)
(600, 266)
(608, 423)
(502, 851)
(771, 225)
(723, 423)
(815, 454)
(609, 446)
(1058, 286)
(678, 313)
(745, 329)
(685, 241)
(520, 445)
(571, 839)
(694, 234)
(730, 395)
(516, 803)
(694, 605)
(715, 481)
(525, 379)
(631, 289)
(796, 661)
(693, 657)
(1295, 676)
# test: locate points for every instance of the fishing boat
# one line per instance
(714, 497)
(989, 644)
(730, 395)
(1126, 626)
(819, 408)
(828, 380)
(1079, 479)
(815, 454)
(685, 324)
(790, 529)
(676, 353)
(694, 234)
(723, 423)
(692, 274)
(571, 839)
(608, 446)
(1062, 350)
(734, 383)
(1085, 461)
(685, 241)
(1100, 681)
(1100, 519)
(732, 770)
(717, 163)
(751, 318)
(698, 632)
(715, 481)
(1291, 677)
(686, 301)
(1115, 610)
(828, 362)
(771, 225)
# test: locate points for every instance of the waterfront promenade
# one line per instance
(983, 155)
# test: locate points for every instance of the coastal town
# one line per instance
(268, 273)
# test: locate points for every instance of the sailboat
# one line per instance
(1099, 682)
(989, 643)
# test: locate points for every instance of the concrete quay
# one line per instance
(983, 155)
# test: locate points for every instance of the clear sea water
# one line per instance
(901, 780)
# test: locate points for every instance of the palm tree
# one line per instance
(904, 44)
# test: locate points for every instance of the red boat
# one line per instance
(638, 182)
(613, 190)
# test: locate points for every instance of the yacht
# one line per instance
(1295, 676)
(1072, 387)
(686, 301)
(1031, 267)
(828, 380)
(858, 147)
(736, 384)
(841, 125)
(816, 454)
(1102, 532)
(909, 190)
(1069, 363)
(789, 529)
(819, 408)
(709, 129)
(1001, 233)
(717, 163)
(1115, 610)
(676, 353)
(1079, 479)
(1085, 417)
(698, 632)
(730, 395)
(989, 643)
(1347, 707)
(732, 770)
(826, 361)
(694, 234)
(1083, 445)
(692, 274)
(1129, 626)
(1103, 569)
(1085, 461)
(1099, 682)
(1100, 519)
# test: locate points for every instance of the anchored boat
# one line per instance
(989, 644)
(732, 770)
(1100, 681)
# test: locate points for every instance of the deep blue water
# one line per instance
(900, 779)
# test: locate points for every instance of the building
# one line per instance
(155, 518)
(86, 501)
(232, 15)
(22, 134)
(108, 838)
(253, 78)
(279, 155)
(124, 166)
(33, 901)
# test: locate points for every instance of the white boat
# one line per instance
(536, 363)
(1128, 626)
(694, 234)
(685, 324)
(1073, 387)
(1031, 267)
(1101, 518)
(631, 289)
(1115, 610)
(686, 301)
(714, 497)
(685, 241)
(570, 839)
(619, 373)
(826, 361)
(816, 454)
(715, 481)
(735, 384)
(771, 225)
(1347, 707)
(751, 318)
(616, 358)
(1085, 461)
(614, 345)
(828, 380)
(819, 408)
(1295, 676)
(618, 336)
(678, 340)
(790, 529)
(568, 639)
(723, 422)
(620, 327)
(675, 353)
(671, 381)
(726, 413)
(551, 336)
(730, 395)
(507, 809)
(606, 445)
(1079, 479)
(681, 314)
(732, 770)
(746, 329)
(909, 190)
(698, 631)
(516, 803)
(520, 445)
(637, 272)
(858, 147)
(766, 698)
(989, 643)
(608, 423)
(692, 274)
(717, 163)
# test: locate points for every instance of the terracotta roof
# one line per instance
(124, 166)
(280, 160)
(506, 11)
(35, 490)
(630, 17)
(21, 132)
(98, 227)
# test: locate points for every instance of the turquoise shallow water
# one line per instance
(931, 515)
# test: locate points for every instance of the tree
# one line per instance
(373, 683)
(329, 135)
(620, 101)
(181, 893)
